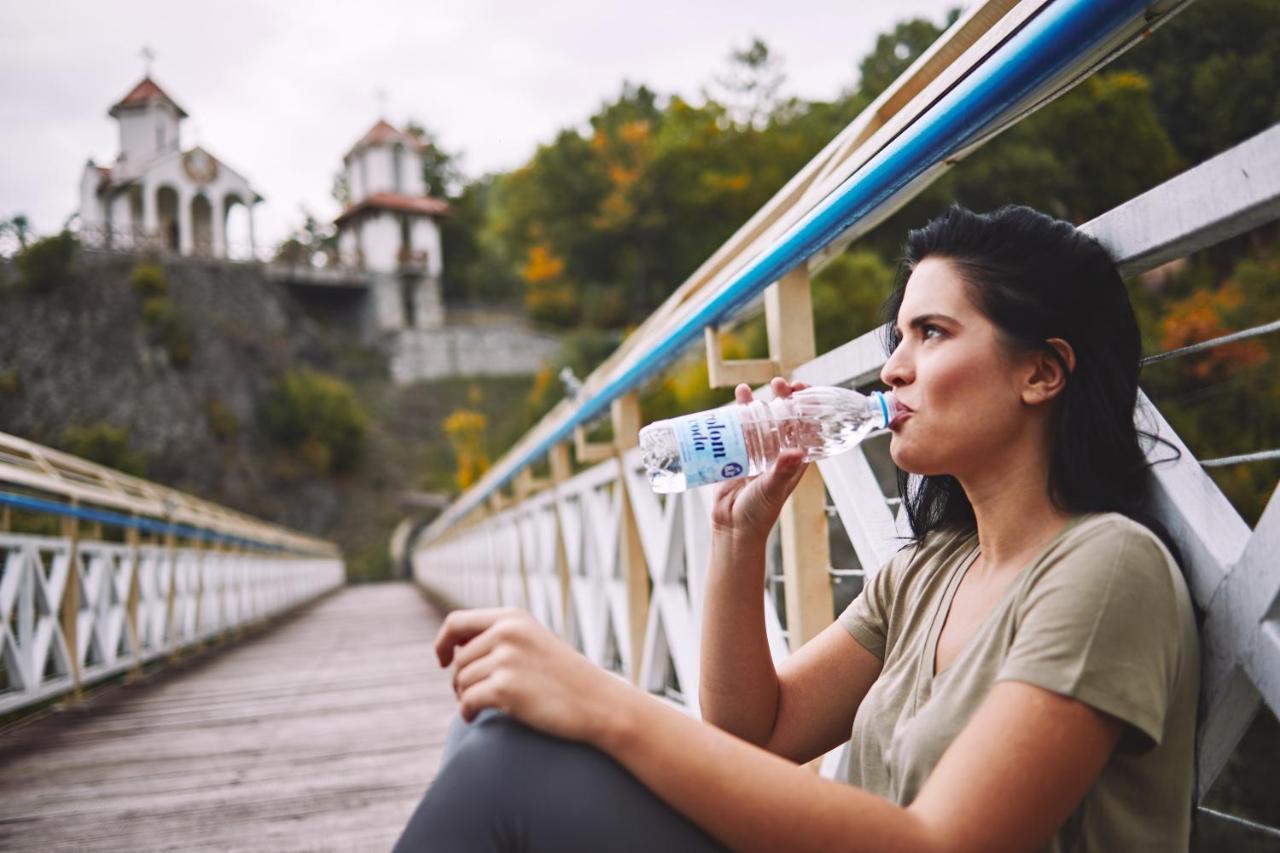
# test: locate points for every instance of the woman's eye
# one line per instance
(928, 332)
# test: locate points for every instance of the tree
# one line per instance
(20, 227)
(750, 87)
(894, 52)
(440, 170)
(314, 243)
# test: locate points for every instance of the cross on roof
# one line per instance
(148, 56)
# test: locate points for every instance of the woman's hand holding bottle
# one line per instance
(745, 509)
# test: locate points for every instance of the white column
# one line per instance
(150, 211)
(218, 211)
(253, 246)
(185, 242)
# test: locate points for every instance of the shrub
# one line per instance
(222, 421)
(105, 444)
(9, 382)
(46, 263)
(317, 415)
(168, 328)
(149, 280)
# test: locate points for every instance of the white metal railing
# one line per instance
(76, 608)
(75, 612)
(138, 240)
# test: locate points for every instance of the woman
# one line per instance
(1022, 675)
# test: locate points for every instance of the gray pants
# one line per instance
(504, 787)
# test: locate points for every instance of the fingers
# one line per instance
(782, 388)
(785, 474)
(491, 692)
(742, 393)
(476, 670)
(460, 627)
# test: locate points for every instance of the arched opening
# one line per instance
(201, 226)
(235, 228)
(167, 217)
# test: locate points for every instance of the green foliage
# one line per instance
(105, 444)
(10, 382)
(1213, 72)
(319, 416)
(894, 52)
(149, 280)
(46, 263)
(847, 296)
(222, 421)
(311, 243)
(439, 166)
(19, 226)
(168, 328)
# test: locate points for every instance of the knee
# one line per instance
(492, 755)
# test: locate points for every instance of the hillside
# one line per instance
(92, 363)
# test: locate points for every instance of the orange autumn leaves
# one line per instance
(1204, 315)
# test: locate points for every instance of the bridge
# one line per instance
(222, 688)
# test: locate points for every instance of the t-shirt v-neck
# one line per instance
(943, 610)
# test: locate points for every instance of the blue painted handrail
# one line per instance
(147, 525)
(1041, 49)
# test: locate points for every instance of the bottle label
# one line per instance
(711, 446)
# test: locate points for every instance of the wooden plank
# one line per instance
(321, 734)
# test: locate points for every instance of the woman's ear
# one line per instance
(1049, 371)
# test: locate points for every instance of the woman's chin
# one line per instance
(910, 460)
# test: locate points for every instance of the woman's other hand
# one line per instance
(745, 509)
(504, 658)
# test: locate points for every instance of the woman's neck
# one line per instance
(1014, 512)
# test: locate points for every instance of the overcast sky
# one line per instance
(280, 89)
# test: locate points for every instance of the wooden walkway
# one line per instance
(319, 734)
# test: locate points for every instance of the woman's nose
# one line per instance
(896, 371)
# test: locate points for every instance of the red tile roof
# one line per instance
(141, 95)
(384, 133)
(419, 204)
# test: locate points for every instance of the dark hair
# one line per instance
(1035, 278)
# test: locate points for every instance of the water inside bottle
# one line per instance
(822, 422)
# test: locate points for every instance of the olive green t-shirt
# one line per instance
(1101, 615)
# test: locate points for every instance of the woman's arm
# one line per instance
(806, 707)
(1007, 782)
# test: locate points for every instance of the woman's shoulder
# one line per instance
(1110, 554)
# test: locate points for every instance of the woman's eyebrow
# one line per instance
(926, 319)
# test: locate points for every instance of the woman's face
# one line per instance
(961, 387)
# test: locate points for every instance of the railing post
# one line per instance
(170, 629)
(133, 541)
(198, 643)
(71, 602)
(625, 414)
(806, 556)
(560, 471)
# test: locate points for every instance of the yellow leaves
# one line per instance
(719, 182)
(1198, 318)
(622, 177)
(465, 430)
(635, 132)
(541, 264)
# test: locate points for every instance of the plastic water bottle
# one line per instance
(744, 440)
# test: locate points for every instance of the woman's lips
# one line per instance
(902, 414)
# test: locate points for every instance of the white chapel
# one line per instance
(155, 195)
(390, 226)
